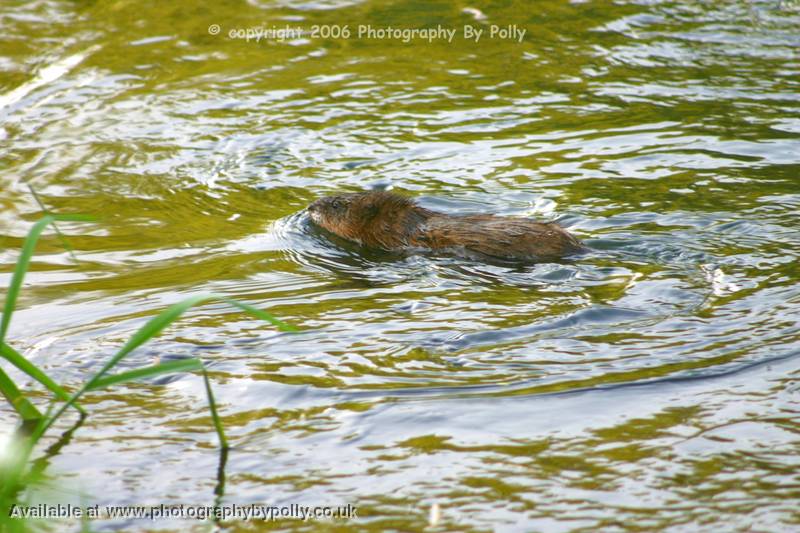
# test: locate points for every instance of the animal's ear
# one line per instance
(371, 209)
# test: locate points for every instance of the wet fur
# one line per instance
(392, 222)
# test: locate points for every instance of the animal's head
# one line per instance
(360, 216)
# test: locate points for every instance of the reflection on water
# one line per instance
(650, 384)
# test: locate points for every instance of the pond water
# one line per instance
(651, 384)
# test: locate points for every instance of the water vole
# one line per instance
(392, 222)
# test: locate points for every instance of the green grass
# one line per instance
(16, 473)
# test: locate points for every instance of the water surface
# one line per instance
(652, 384)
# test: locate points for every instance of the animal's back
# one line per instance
(500, 237)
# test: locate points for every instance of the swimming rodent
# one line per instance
(391, 222)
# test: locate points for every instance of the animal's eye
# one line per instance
(337, 204)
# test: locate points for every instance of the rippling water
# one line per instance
(652, 384)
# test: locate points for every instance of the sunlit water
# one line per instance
(651, 384)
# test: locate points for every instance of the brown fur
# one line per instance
(392, 222)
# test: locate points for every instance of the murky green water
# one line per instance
(650, 385)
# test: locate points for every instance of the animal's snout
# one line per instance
(315, 210)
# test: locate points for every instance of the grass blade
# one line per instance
(19, 361)
(17, 456)
(20, 403)
(258, 313)
(23, 262)
(167, 317)
(167, 367)
(152, 328)
(46, 211)
(223, 441)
